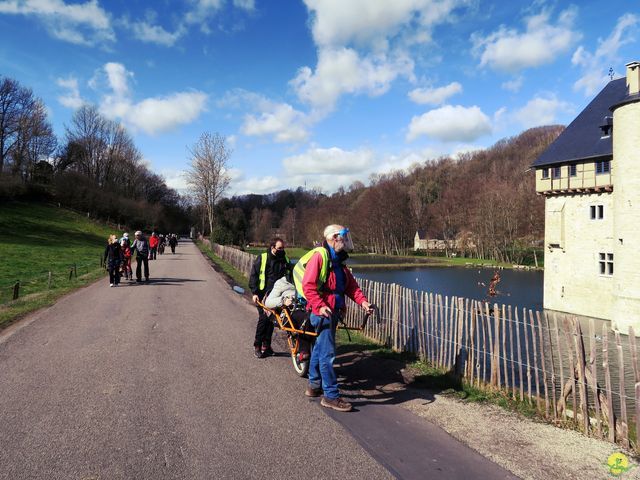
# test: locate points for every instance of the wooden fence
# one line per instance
(568, 370)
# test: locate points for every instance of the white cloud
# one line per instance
(434, 96)
(80, 23)
(280, 120)
(511, 51)
(371, 24)
(513, 85)
(150, 33)
(595, 65)
(72, 98)
(342, 70)
(541, 111)
(248, 5)
(151, 115)
(175, 179)
(328, 161)
(266, 184)
(451, 123)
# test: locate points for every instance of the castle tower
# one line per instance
(626, 205)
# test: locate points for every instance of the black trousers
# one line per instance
(264, 329)
(139, 261)
(153, 252)
(114, 273)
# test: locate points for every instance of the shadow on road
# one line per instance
(169, 281)
(367, 378)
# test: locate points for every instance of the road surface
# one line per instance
(158, 381)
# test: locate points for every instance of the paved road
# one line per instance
(159, 381)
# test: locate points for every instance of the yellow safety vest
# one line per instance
(299, 269)
(263, 270)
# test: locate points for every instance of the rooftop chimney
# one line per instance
(633, 78)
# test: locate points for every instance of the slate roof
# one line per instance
(582, 139)
(422, 234)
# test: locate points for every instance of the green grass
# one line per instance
(225, 267)
(37, 239)
(434, 378)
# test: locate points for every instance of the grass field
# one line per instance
(37, 239)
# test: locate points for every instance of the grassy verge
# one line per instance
(225, 267)
(438, 379)
(37, 239)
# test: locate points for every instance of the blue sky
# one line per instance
(317, 92)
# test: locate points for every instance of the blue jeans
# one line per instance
(321, 372)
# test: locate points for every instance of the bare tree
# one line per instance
(208, 177)
(18, 108)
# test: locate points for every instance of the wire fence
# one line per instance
(15, 287)
(569, 370)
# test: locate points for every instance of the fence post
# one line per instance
(75, 270)
(49, 282)
(70, 273)
(16, 290)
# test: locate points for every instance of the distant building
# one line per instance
(422, 242)
(590, 177)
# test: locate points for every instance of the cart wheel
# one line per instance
(301, 368)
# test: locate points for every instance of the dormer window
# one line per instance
(603, 167)
(607, 126)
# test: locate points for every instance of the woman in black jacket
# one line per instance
(113, 259)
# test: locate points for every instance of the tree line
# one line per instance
(484, 202)
(95, 167)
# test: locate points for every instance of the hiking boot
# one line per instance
(313, 392)
(336, 404)
(258, 353)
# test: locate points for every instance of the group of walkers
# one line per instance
(120, 251)
(322, 280)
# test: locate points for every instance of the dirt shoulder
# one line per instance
(527, 448)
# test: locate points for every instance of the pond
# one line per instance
(516, 287)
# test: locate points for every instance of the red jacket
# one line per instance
(316, 300)
(153, 241)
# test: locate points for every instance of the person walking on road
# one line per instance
(325, 283)
(268, 268)
(173, 241)
(112, 259)
(141, 247)
(126, 259)
(153, 246)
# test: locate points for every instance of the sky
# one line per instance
(317, 93)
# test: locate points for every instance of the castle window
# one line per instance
(545, 173)
(603, 167)
(573, 170)
(606, 263)
(597, 212)
(555, 172)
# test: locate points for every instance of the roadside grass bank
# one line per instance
(224, 267)
(420, 374)
(50, 251)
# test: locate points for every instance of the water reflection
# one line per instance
(518, 288)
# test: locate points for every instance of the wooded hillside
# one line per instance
(484, 199)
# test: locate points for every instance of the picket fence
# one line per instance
(570, 372)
